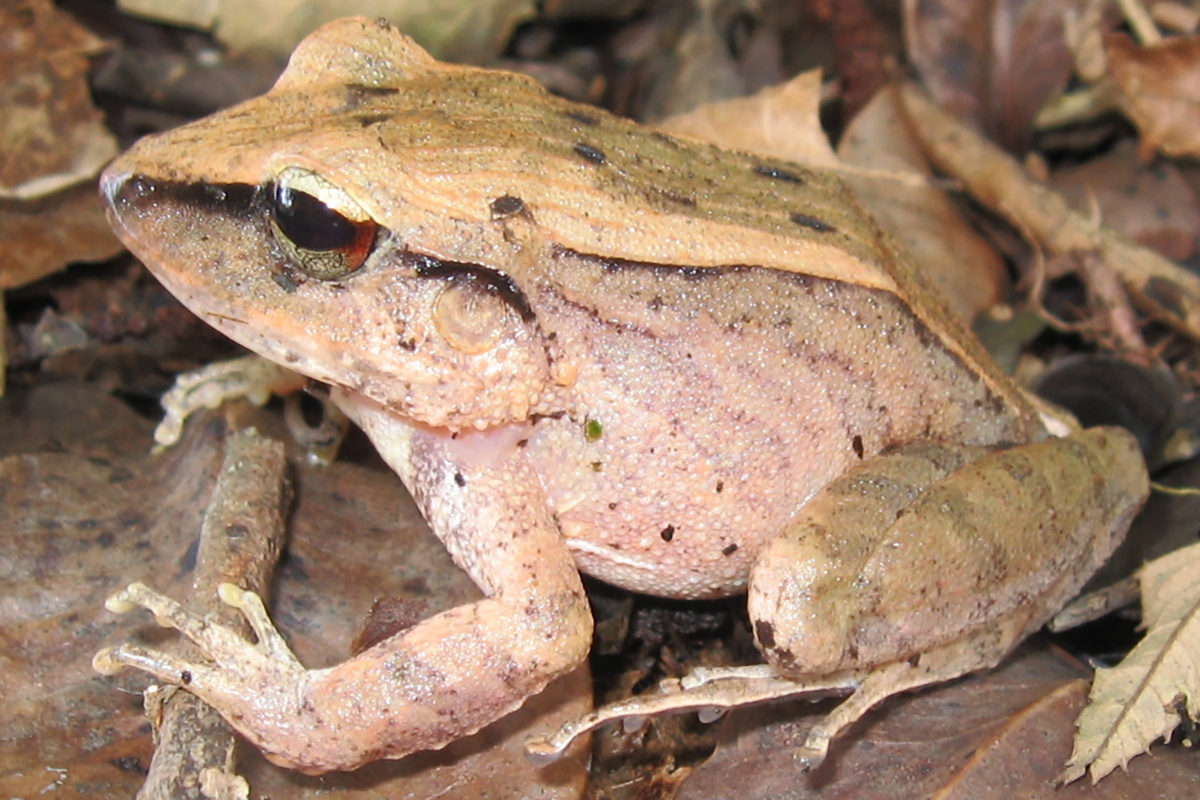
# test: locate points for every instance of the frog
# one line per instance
(587, 347)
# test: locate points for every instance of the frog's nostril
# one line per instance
(122, 188)
(111, 183)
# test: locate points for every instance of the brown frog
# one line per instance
(587, 346)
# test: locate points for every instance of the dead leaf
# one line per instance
(1175, 16)
(53, 141)
(997, 180)
(782, 122)
(1159, 90)
(1142, 699)
(699, 69)
(964, 265)
(453, 30)
(42, 237)
(991, 62)
(51, 135)
(996, 736)
(1150, 203)
(862, 58)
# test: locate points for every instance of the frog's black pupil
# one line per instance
(309, 223)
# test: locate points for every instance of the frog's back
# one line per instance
(423, 143)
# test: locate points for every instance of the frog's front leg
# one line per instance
(932, 562)
(445, 678)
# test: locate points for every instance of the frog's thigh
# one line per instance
(932, 551)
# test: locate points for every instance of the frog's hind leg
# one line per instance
(932, 561)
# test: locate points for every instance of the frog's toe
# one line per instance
(164, 667)
(233, 654)
(251, 605)
(812, 753)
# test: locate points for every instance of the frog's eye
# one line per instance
(323, 231)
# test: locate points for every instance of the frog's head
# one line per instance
(298, 272)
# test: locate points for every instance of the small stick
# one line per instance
(994, 178)
(240, 542)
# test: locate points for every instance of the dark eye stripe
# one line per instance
(502, 285)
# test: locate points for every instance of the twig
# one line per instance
(240, 542)
(1094, 605)
(1139, 19)
(1157, 285)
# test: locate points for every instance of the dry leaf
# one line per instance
(53, 143)
(1159, 90)
(1141, 699)
(862, 52)
(1000, 735)
(51, 135)
(994, 63)
(964, 265)
(452, 30)
(997, 180)
(1150, 203)
(699, 69)
(782, 122)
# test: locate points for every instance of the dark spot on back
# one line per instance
(583, 117)
(667, 533)
(767, 171)
(814, 223)
(592, 154)
(459, 479)
(358, 95)
(677, 199)
(507, 206)
(730, 550)
(857, 444)
(372, 91)
(367, 120)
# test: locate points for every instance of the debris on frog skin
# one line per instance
(710, 692)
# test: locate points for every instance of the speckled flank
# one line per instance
(748, 389)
